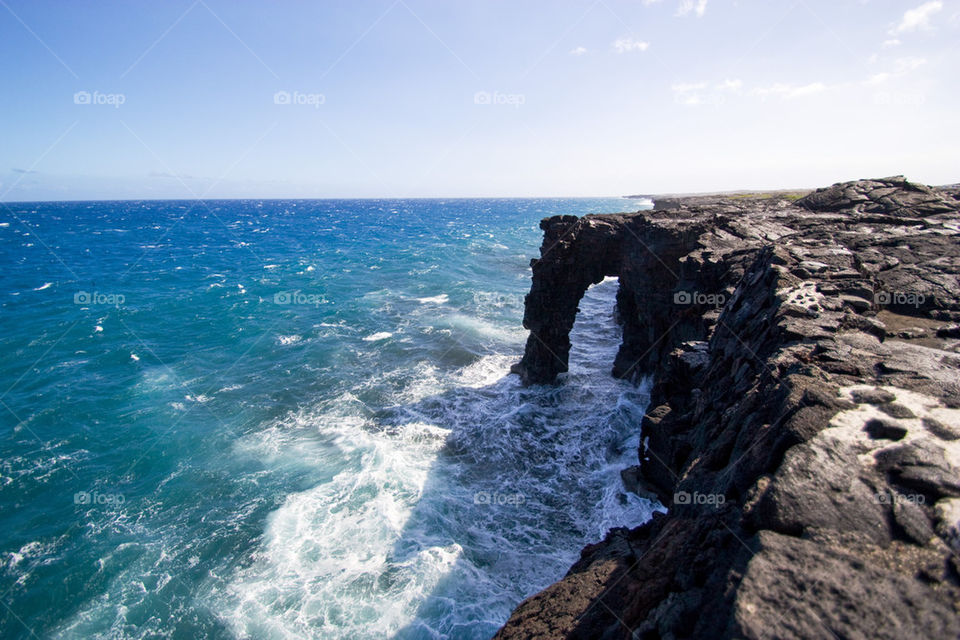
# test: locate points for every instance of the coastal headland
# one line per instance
(804, 425)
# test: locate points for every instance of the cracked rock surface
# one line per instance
(804, 426)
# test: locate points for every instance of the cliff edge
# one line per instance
(804, 427)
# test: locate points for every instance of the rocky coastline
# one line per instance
(804, 424)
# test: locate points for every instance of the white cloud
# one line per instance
(789, 91)
(901, 66)
(579, 51)
(918, 18)
(717, 93)
(892, 42)
(695, 94)
(689, 99)
(626, 45)
(697, 7)
(686, 7)
(730, 85)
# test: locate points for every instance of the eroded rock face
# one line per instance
(576, 253)
(804, 429)
(895, 196)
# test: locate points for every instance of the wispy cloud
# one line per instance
(686, 7)
(626, 45)
(696, 7)
(16, 170)
(578, 51)
(917, 19)
(696, 94)
(693, 94)
(901, 67)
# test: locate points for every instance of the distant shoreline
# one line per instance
(719, 194)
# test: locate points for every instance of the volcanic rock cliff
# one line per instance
(804, 427)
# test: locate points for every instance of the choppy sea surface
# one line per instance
(293, 419)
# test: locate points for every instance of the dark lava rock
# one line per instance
(942, 431)
(885, 430)
(896, 410)
(949, 332)
(873, 396)
(819, 448)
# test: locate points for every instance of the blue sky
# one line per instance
(421, 98)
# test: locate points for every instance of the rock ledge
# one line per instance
(804, 428)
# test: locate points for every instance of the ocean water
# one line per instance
(293, 419)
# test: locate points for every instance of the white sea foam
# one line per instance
(461, 323)
(45, 285)
(381, 335)
(440, 299)
(327, 546)
(440, 512)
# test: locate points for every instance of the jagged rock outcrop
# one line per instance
(804, 428)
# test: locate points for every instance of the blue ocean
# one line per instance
(293, 419)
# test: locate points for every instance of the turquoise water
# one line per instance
(287, 419)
